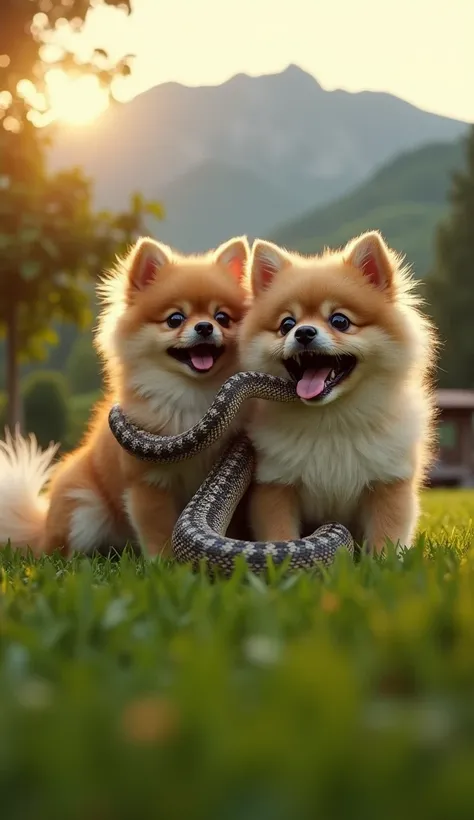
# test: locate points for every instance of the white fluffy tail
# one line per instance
(24, 471)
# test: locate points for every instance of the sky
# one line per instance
(420, 50)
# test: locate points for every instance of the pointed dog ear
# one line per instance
(146, 260)
(234, 256)
(372, 257)
(266, 261)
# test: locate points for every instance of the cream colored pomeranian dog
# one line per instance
(167, 335)
(346, 328)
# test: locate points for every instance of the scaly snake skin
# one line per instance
(199, 533)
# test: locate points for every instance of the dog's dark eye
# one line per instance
(287, 325)
(339, 322)
(175, 320)
(223, 318)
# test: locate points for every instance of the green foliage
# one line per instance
(52, 244)
(80, 408)
(133, 689)
(47, 250)
(405, 200)
(46, 406)
(449, 289)
(83, 367)
(50, 240)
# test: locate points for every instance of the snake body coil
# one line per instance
(223, 410)
(200, 531)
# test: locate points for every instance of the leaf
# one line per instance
(137, 203)
(29, 270)
(156, 209)
(49, 336)
(29, 235)
(49, 247)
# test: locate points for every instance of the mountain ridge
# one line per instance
(405, 199)
(293, 139)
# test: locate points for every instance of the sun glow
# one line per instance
(75, 100)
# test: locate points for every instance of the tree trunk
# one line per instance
(14, 414)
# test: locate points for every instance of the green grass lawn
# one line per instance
(133, 690)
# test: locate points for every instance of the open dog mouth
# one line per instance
(200, 358)
(316, 374)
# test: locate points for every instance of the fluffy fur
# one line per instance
(164, 376)
(356, 453)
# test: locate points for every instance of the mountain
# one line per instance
(216, 200)
(405, 200)
(294, 143)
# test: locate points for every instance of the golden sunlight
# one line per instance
(75, 100)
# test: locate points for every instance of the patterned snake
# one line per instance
(200, 531)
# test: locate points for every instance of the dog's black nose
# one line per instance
(205, 329)
(305, 334)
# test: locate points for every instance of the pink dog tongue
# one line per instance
(200, 361)
(311, 383)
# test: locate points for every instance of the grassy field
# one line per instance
(142, 691)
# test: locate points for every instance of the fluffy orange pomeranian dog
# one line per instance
(167, 335)
(346, 328)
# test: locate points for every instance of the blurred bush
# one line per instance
(83, 367)
(3, 413)
(80, 410)
(46, 406)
